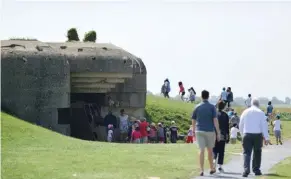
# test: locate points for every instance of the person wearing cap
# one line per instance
(253, 128)
(143, 130)
(173, 132)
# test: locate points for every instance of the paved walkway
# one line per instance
(272, 155)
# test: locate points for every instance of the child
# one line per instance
(136, 135)
(277, 129)
(182, 90)
(161, 133)
(110, 133)
(190, 135)
(233, 134)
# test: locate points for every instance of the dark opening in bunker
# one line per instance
(84, 115)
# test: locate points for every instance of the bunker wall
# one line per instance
(34, 85)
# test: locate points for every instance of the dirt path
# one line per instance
(271, 155)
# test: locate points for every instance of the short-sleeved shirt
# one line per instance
(143, 128)
(269, 109)
(204, 114)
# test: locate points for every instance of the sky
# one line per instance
(206, 45)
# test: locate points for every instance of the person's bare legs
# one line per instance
(201, 160)
(210, 158)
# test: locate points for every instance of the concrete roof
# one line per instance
(68, 48)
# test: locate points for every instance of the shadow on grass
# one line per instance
(275, 175)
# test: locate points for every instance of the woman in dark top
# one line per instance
(219, 148)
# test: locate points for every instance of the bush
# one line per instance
(90, 36)
(72, 35)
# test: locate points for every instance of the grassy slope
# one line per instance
(281, 170)
(31, 152)
(160, 109)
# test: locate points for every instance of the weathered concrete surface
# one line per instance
(272, 155)
(36, 78)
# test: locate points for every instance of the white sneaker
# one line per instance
(220, 169)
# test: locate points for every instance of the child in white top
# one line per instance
(233, 134)
(110, 133)
(277, 129)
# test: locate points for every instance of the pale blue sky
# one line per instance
(206, 45)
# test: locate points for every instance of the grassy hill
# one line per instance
(159, 109)
(32, 152)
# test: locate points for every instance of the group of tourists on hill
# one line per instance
(166, 88)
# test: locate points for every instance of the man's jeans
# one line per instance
(252, 142)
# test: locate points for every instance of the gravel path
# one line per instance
(271, 155)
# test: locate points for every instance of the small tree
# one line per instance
(90, 36)
(72, 35)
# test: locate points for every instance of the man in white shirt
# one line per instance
(248, 102)
(223, 95)
(253, 128)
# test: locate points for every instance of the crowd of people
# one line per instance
(213, 128)
(138, 130)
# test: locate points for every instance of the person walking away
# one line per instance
(234, 120)
(143, 130)
(248, 101)
(173, 132)
(136, 135)
(219, 148)
(182, 90)
(161, 133)
(253, 128)
(233, 133)
(277, 129)
(123, 120)
(204, 124)
(190, 135)
(270, 110)
(110, 133)
(229, 97)
(223, 95)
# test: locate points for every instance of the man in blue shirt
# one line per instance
(204, 124)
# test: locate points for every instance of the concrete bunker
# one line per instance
(76, 83)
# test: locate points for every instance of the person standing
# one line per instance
(143, 130)
(204, 123)
(229, 97)
(219, 147)
(253, 129)
(173, 132)
(248, 101)
(123, 125)
(270, 110)
(223, 95)
(234, 120)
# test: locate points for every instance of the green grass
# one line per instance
(281, 170)
(32, 152)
